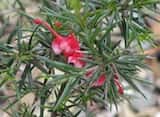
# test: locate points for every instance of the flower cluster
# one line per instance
(69, 46)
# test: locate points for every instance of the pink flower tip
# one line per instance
(37, 21)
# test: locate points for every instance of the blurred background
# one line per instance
(139, 107)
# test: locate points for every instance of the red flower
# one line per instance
(68, 45)
(100, 81)
(37, 21)
(56, 45)
(119, 86)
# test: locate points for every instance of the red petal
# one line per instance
(67, 50)
(75, 59)
(119, 86)
(71, 45)
(100, 81)
(79, 64)
(37, 21)
(73, 41)
(56, 45)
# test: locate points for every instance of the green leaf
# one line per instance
(65, 94)
(59, 65)
(130, 81)
(21, 5)
(12, 34)
(74, 4)
(5, 48)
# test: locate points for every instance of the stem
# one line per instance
(41, 108)
(114, 68)
(43, 99)
(46, 25)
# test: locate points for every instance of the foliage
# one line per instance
(28, 48)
